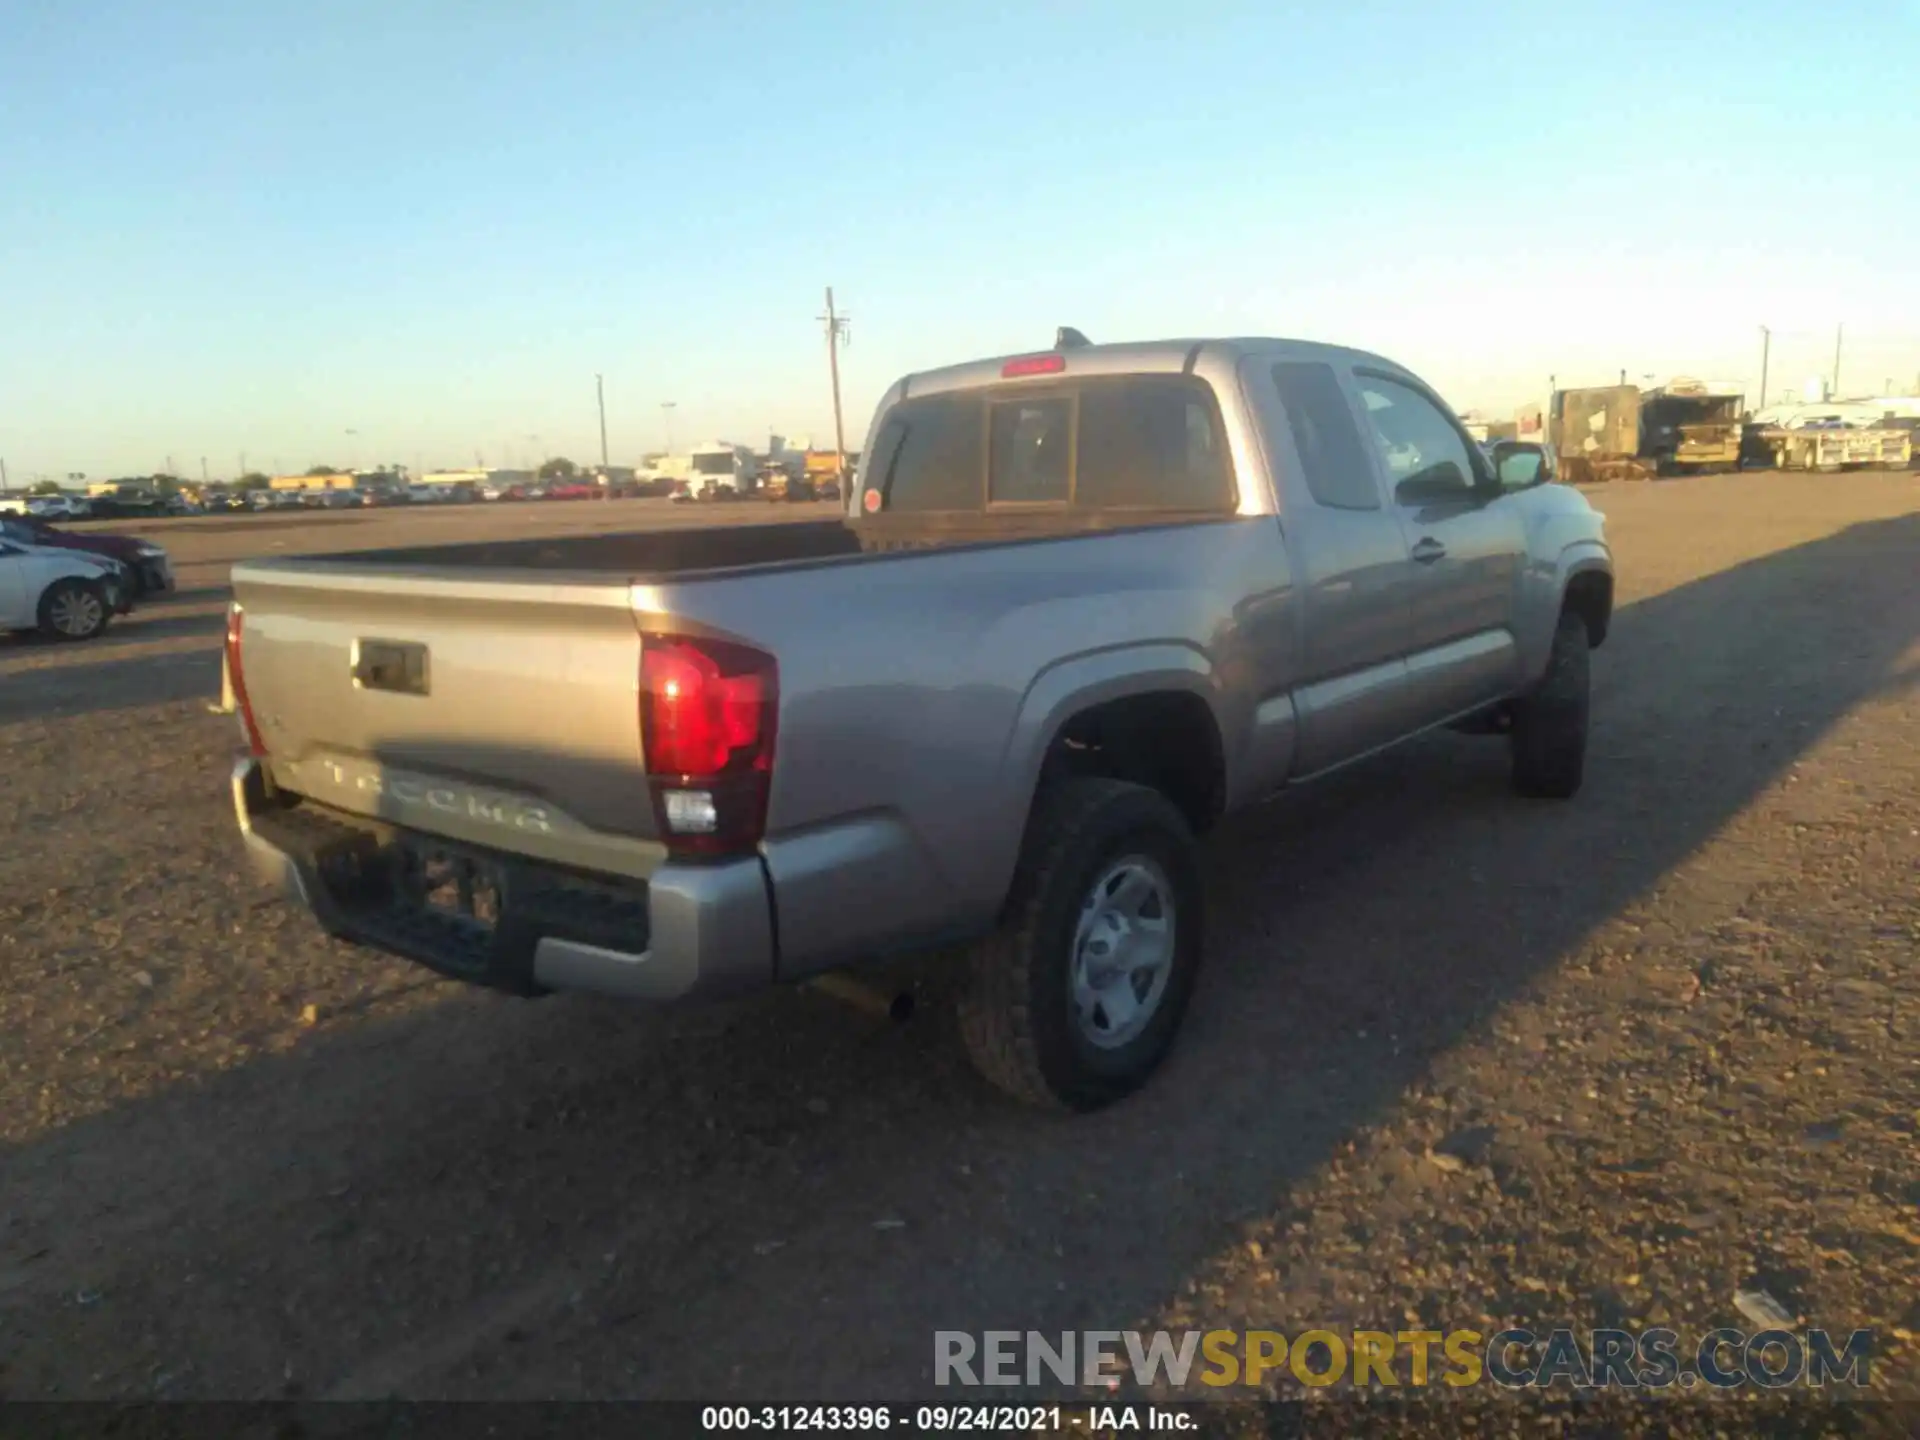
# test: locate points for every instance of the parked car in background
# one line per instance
(64, 594)
(574, 490)
(59, 507)
(778, 485)
(126, 505)
(148, 570)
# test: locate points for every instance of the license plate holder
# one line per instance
(448, 883)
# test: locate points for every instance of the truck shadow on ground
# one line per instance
(780, 1199)
(53, 679)
(147, 625)
(117, 681)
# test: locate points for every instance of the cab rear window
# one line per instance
(1143, 442)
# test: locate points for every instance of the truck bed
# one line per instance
(647, 555)
(525, 654)
(640, 553)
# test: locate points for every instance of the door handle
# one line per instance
(1428, 551)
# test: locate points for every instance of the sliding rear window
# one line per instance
(1140, 442)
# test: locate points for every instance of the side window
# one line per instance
(1425, 456)
(1151, 442)
(928, 455)
(1030, 452)
(1331, 453)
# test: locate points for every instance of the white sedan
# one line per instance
(64, 594)
(59, 507)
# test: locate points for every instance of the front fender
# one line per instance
(1547, 596)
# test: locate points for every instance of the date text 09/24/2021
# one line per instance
(943, 1419)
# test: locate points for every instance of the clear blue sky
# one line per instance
(229, 227)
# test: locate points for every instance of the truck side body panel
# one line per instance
(932, 751)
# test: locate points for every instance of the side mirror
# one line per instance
(1520, 467)
(1433, 485)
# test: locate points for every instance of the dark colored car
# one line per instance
(148, 569)
(125, 506)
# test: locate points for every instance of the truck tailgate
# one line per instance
(496, 710)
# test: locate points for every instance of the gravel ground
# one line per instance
(1457, 1059)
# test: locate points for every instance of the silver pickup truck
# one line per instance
(1082, 603)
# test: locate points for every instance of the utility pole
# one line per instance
(3, 475)
(836, 337)
(203, 469)
(666, 410)
(1766, 347)
(600, 394)
(1838, 331)
(243, 465)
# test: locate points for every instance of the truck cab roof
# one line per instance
(1135, 357)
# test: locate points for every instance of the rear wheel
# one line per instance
(74, 610)
(1549, 735)
(1076, 999)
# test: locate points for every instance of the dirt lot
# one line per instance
(1457, 1058)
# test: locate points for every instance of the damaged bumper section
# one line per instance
(504, 921)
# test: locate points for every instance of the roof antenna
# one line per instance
(1068, 338)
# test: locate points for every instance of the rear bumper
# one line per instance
(688, 931)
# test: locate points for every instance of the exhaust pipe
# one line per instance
(896, 1006)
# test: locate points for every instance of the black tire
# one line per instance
(1549, 735)
(67, 598)
(1017, 1015)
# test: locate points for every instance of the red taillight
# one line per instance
(1033, 365)
(237, 681)
(707, 716)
